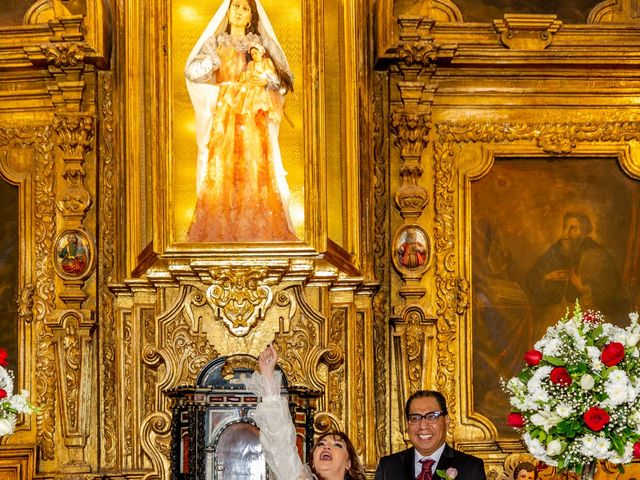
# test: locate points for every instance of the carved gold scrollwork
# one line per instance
(66, 63)
(381, 265)
(421, 53)
(38, 301)
(325, 422)
(25, 303)
(526, 31)
(462, 297)
(333, 356)
(106, 245)
(411, 131)
(300, 348)
(239, 298)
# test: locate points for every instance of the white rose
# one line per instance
(633, 316)
(633, 339)
(6, 426)
(587, 382)
(554, 448)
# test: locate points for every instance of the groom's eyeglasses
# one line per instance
(430, 417)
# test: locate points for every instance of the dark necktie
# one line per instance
(425, 473)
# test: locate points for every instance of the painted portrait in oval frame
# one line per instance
(73, 254)
(412, 249)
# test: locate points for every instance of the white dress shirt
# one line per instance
(435, 456)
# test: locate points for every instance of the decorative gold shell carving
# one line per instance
(239, 298)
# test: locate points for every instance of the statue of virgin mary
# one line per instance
(238, 98)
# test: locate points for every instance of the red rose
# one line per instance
(612, 354)
(3, 393)
(560, 376)
(636, 450)
(515, 419)
(533, 357)
(596, 418)
(3, 357)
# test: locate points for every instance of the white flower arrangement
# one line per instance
(578, 398)
(10, 404)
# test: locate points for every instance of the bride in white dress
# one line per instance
(333, 456)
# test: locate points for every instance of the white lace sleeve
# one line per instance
(277, 433)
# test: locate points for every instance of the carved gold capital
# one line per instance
(527, 32)
(411, 131)
(417, 54)
(239, 297)
(63, 55)
(75, 134)
(417, 49)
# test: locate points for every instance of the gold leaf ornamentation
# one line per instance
(381, 264)
(63, 55)
(239, 298)
(106, 247)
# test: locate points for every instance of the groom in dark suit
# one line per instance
(427, 424)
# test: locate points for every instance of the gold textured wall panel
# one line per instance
(399, 108)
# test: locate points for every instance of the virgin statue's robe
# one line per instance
(240, 199)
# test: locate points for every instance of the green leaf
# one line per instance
(555, 361)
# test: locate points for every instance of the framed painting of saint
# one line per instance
(573, 235)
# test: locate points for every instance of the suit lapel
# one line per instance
(408, 464)
(446, 459)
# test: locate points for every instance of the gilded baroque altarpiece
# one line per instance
(399, 109)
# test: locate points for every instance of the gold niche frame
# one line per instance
(318, 136)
